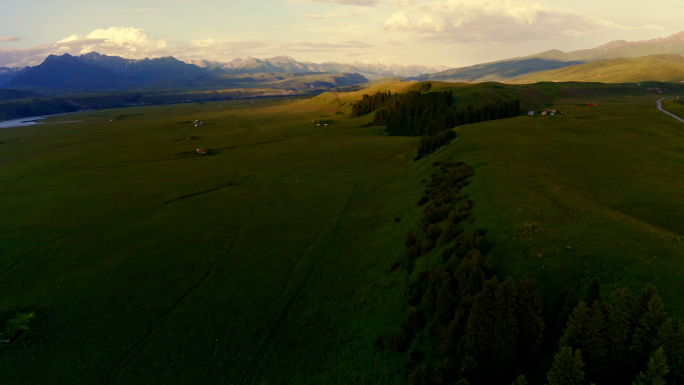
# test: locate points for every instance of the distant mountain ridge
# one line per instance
(657, 68)
(554, 59)
(95, 71)
(285, 64)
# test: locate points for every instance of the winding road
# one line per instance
(660, 108)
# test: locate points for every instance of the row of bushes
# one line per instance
(466, 326)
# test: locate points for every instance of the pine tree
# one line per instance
(575, 335)
(446, 302)
(530, 322)
(594, 291)
(646, 332)
(505, 341)
(570, 301)
(567, 368)
(521, 380)
(594, 295)
(641, 305)
(619, 330)
(481, 327)
(457, 327)
(671, 338)
(597, 342)
(657, 370)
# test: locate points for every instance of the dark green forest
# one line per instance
(415, 113)
(465, 325)
(431, 115)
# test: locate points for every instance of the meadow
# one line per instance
(268, 260)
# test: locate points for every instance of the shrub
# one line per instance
(451, 233)
(416, 318)
(414, 252)
(423, 200)
(426, 245)
(433, 232)
(446, 253)
(411, 239)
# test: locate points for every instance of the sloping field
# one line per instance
(656, 68)
(592, 192)
(146, 262)
(267, 260)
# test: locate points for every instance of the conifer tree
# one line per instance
(446, 302)
(481, 326)
(521, 380)
(646, 331)
(619, 330)
(530, 322)
(597, 342)
(570, 301)
(671, 338)
(657, 370)
(575, 334)
(505, 343)
(641, 305)
(567, 368)
(457, 327)
(594, 291)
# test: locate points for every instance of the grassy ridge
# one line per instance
(660, 68)
(565, 199)
(268, 260)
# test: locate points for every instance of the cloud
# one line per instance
(363, 3)
(9, 39)
(121, 41)
(495, 21)
(330, 16)
(320, 46)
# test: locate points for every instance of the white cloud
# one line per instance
(322, 46)
(132, 43)
(9, 39)
(70, 38)
(330, 16)
(494, 21)
(364, 3)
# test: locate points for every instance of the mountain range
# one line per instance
(280, 64)
(555, 59)
(95, 71)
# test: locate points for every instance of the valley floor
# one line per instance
(268, 260)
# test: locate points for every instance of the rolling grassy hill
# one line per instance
(658, 68)
(503, 70)
(268, 259)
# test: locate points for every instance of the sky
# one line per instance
(450, 33)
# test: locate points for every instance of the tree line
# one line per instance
(415, 113)
(464, 325)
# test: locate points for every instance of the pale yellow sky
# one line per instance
(437, 32)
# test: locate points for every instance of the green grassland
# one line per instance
(658, 68)
(674, 105)
(267, 260)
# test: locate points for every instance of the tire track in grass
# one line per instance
(142, 344)
(30, 254)
(251, 371)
